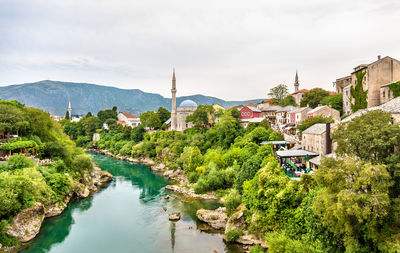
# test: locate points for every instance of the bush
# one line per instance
(232, 201)
(233, 234)
(5, 240)
(56, 150)
(20, 161)
(193, 177)
(60, 184)
(278, 242)
(4, 166)
(257, 249)
(82, 163)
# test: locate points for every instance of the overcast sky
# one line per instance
(230, 49)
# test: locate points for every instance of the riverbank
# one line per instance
(27, 223)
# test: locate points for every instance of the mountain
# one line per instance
(53, 97)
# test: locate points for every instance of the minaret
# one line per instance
(69, 110)
(296, 83)
(173, 109)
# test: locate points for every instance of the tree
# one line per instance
(289, 100)
(20, 161)
(312, 121)
(107, 114)
(114, 108)
(358, 93)
(279, 92)
(137, 133)
(336, 101)
(67, 115)
(90, 125)
(150, 119)
(314, 97)
(203, 116)
(12, 120)
(227, 129)
(354, 203)
(163, 114)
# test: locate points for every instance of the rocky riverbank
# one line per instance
(26, 224)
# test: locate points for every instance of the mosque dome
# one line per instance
(188, 103)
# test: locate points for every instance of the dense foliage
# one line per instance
(289, 100)
(314, 97)
(279, 92)
(358, 94)
(395, 88)
(336, 101)
(21, 182)
(312, 121)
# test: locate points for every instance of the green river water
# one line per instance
(128, 216)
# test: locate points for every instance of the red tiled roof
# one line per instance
(267, 100)
(237, 106)
(300, 91)
(251, 104)
(128, 115)
(121, 122)
(332, 93)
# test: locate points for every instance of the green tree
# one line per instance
(67, 115)
(203, 116)
(279, 92)
(107, 114)
(12, 120)
(288, 100)
(150, 119)
(90, 125)
(354, 202)
(314, 97)
(20, 161)
(336, 101)
(137, 133)
(163, 114)
(227, 129)
(312, 121)
(358, 93)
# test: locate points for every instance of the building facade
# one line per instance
(128, 119)
(186, 108)
(326, 111)
(317, 139)
(250, 112)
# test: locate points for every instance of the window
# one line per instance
(383, 94)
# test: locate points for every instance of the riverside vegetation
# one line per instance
(57, 171)
(350, 204)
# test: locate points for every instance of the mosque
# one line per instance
(178, 116)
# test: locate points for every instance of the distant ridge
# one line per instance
(53, 97)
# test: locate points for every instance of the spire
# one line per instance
(296, 82)
(173, 103)
(69, 110)
(173, 75)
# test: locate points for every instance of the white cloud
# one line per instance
(226, 48)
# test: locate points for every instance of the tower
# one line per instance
(69, 110)
(173, 109)
(296, 83)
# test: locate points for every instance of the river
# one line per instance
(128, 216)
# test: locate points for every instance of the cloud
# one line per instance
(229, 49)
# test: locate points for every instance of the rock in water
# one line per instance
(215, 218)
(26, 225)
(175, 216)
(164, 208)
(167, 197)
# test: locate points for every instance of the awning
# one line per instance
(295, 153)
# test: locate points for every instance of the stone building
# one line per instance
(128, 119)
(281, 117)
(324, 110)
(296, 116)
(317, 139)
(378, 76)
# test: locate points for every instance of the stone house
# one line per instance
(317, 139)
(281, 114)
(378, 75)
(270, 113)
(298, 95)
(324, 110)
(296, 116)
(128, 119)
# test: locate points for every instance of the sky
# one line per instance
(230, 49)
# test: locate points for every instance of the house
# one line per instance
(324, 110)
(298, 95)
(121, 122)
(250, 112)
(378, 76)
(270, 113)
(317, 139)
(128, 119)
(268, 103)
(296, 116)
(392, 107)
(281, 117)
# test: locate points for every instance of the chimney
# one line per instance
(379, 57)
(328, 138)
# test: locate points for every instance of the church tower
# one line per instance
(296, 83)
(69, 110)
(173, 109)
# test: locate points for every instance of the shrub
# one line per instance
(232, 201)
(60, 184)
(5, 240)
(4, 166)
(233, 234)
(20, 161)
(257, 249)
(82, 163)
(278, 242)
(193, 177)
